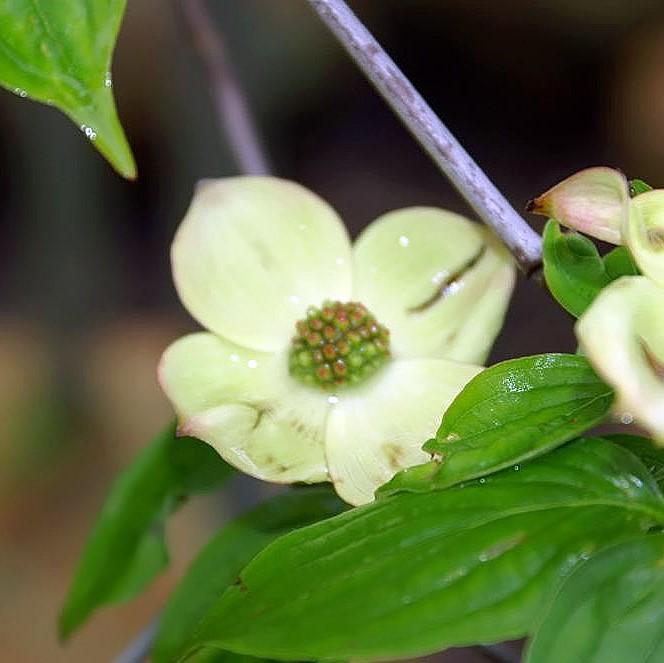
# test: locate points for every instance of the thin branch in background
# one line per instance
(234, 116)
(139, 648)
(457, 165)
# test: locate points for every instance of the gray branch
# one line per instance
(234, 117)
(139, 649)
(468, 178)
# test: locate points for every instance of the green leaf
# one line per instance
(219, 563)
(509, 413)
(573, 269)
(638, 186)
(610, 610)
(646, 451)
(126, 548)
(575, 272)
(59, 53)
(416, 573)
(210, 655)
(619, 262)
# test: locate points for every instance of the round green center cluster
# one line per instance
(338, 344)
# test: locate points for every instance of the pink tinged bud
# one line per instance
(594, 201)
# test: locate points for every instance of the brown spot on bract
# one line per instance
(261, 411)
(655, 237)
(448, 286)
(655, 364)
(538, 206)
(240, 583)
(394, 455)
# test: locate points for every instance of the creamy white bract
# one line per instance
(622, 332)
(251, 256)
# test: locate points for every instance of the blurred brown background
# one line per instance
(534, 90)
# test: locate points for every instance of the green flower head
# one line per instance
(323, 360)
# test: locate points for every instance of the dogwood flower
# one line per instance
(622, 332)
(326, 361)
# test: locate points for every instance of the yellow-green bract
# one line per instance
(251, 256)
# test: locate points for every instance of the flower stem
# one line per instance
(234, 116)
(457, 165)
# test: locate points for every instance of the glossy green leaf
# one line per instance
(416, 573)
(219, 563)
(637, 186)
(507, 414)
(575, 272)
(126, 548)
(646, 451)
(59, 53)
(610, 610)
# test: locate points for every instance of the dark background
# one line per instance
(534, 91)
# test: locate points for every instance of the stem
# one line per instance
(139, 648)
(457, 165)
(233, 114)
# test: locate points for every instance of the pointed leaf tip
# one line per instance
(64, 60)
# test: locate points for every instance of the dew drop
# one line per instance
(252, 363)
(438, 278)
(20, 92)
(482, 480)
(626, 418)
(516, 468)
(108, 81)
(89, 131)
(404, 241)
(332, 400)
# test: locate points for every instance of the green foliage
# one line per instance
(643, 448)
(610, 610)
(126, 548)
(619, 262)
(638, 186)
(509, 413)
(575, 272)
(416, 573)
(212, 655)
(219, 563)
(59, 53)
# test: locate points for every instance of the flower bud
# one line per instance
(594, 201)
